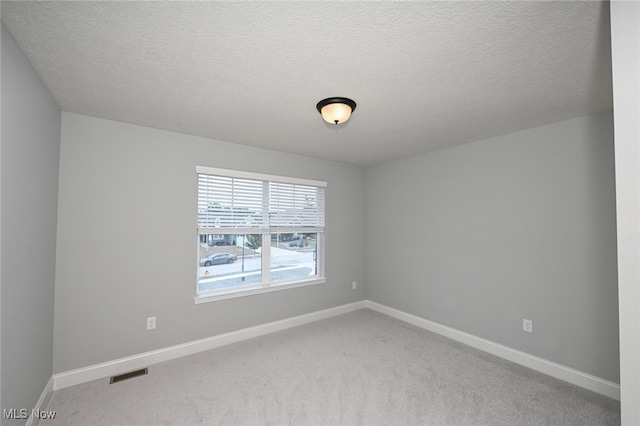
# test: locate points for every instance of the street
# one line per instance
(285, 264)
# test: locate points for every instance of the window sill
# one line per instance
(250, 291)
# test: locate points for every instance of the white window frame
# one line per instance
(266, 285)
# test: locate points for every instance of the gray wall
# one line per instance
(479, 236)
(29, 190)
(127, 240)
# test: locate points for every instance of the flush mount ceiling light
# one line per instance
(336, 110)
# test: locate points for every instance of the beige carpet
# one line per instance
(361, 368)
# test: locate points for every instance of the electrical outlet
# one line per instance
(354, 285)
(527, 325)
(151, 323)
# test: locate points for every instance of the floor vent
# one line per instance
(129, 375)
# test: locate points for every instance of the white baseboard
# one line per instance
(134, 362)
(122, 365)
(587, 381)
(42, 402)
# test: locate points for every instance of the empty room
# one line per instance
(320, 213)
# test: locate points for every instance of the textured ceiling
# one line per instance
(425, 75)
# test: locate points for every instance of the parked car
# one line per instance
(218, 259)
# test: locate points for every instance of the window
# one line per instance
(257, 233)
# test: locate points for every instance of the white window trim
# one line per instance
(264, 287)
(259, 176)
(261, 289)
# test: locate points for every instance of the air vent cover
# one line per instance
(129, 375)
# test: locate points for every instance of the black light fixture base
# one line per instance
(336, 100)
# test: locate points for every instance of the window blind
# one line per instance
(295, 206)
(231, 203)
(241, 205)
